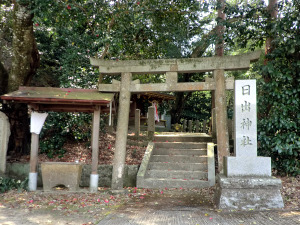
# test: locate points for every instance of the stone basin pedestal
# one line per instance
(61, 173)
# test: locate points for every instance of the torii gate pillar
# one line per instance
(122, 130)
(221, 117)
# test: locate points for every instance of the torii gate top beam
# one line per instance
(185, 65)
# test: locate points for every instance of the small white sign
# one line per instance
(37, 121)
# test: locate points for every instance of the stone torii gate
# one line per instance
(170, 67)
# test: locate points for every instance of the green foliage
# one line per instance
(278, 89)
(7, 184)
(62, 126)
(198, 106)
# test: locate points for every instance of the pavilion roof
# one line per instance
(60, 99)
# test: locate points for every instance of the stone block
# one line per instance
(245, 193)
(168, 122)
(151, 122)
(247, 166)
(61, 173)
(137, 123)
(190, 126)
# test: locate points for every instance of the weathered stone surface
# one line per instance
(168, 122)
(151, 123)
(137, 123)
(122, 131)
(20, 171)
(61, 173)
(184, 125)
(190, 124)
(247, 166)
(245, 162)
(247, 182)
(176, 65)
(248, 193)
(221, 118)
(4, 138)
(197, 126)
(204, 126)
(213, 120)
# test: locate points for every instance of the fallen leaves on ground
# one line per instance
(82, 152)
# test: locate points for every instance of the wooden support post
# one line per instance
(34, 152)
(95, 141)
(137, 122)
(94, 177)
(121, 135)
(221, 117)
(32, 182)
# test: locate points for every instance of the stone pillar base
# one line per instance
(94, 182)
(245, 192)
(32, 182)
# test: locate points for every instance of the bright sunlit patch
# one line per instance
(292, 213)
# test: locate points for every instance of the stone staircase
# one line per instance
(177, 164)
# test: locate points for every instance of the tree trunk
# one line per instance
(273, 11)
(3, 79)
(220, 28)
(25, 61)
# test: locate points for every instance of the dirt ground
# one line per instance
(61, 207)
(81, 151)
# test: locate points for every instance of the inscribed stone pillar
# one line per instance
(168, 122)
(137, 123)
(184, 125)
(151, 122)
(190, 126)
(247, 182)
(221, 117)
(4, 138)
(245, 161)
(204, 126)
(122, 130)
(197, 126)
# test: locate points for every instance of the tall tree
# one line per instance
(25, 60)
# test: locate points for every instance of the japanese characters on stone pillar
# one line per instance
(245, 118)
(246, 162)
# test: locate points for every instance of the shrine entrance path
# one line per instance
(191, 207)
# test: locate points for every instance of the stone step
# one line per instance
(172, 183)
(181, 145)
(171, 151)
(177, 166)
(182, 138)
(179, 158)
(178, 174)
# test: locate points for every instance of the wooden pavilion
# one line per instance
(44, 99)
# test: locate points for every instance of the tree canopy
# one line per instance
(49, 43)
